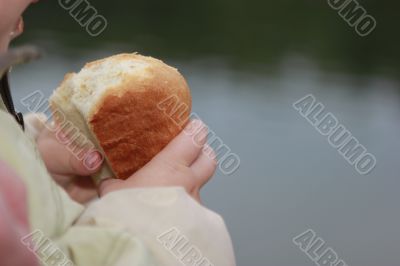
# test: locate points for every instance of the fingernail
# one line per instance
(200, 135)
(193, 127)
(190, 126)
(93, 160)
(61, 137)
(209, 152)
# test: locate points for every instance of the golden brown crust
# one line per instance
(129, 125)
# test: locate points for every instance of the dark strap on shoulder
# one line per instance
(7, 60)
(8, 102)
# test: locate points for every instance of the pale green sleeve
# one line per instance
(148, 226)
(102, 246)
(174, 228)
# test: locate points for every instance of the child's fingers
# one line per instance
(186, 147)
(67, 160)
(204, 167)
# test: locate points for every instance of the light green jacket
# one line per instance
(158, 226)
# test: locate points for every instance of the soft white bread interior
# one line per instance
(114, 104)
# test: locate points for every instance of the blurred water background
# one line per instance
(246, 63)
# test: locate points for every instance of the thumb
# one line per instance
(70, 164)
(60, 160)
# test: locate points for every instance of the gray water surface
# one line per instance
(290, 179)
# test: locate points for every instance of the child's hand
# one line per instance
(66, 169)
(187, 162)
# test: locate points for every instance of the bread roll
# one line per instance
(114, 103)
